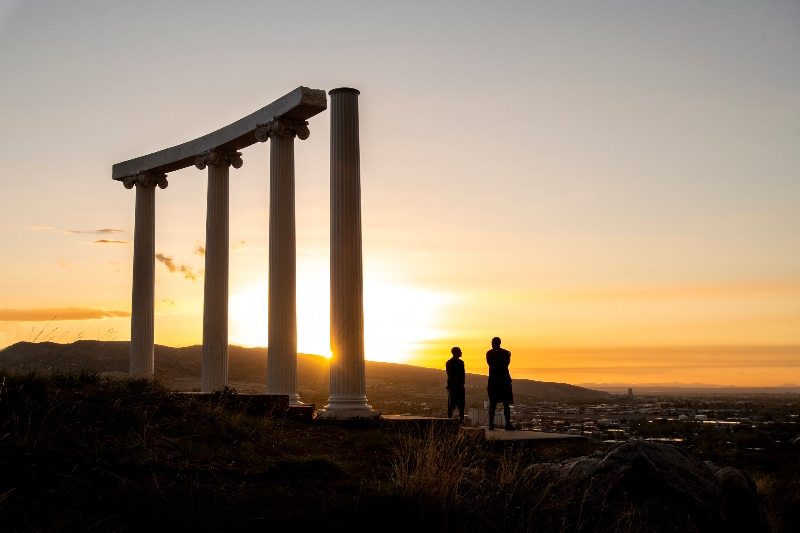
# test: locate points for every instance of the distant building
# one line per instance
(480, 417)
(575, 428)
(631, 399)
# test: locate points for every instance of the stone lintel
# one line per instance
(298, 105)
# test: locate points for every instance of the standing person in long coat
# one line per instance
(456, 376)
(499, 388)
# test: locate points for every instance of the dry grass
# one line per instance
(78, 449)
(781, 497)
(452, 477)
(436, 469)
(451, 480)
(80, 452)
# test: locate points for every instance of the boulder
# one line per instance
(741, 497)
(641, 485)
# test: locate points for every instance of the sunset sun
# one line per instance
(398, 319)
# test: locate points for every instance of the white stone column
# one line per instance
(214, 374)
(348, 384)
(282, 327)
(144, 253)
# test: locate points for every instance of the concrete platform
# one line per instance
(557, 443)
(554, 444)
(348, 414)
(417, 418)
(514, 436)
(271, 405)
(303, 412)
(261, 404)
(417, 423)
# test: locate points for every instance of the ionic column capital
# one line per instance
(282, 127)
(219, 157)
(146, 179)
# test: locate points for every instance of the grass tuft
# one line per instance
(453, 480)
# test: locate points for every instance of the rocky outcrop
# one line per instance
(741, 498)
(640, 485)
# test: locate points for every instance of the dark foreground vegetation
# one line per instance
(83, 453)
(768, 452)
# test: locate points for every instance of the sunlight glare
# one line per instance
(249, 310)
(248, 316)
(397, 318)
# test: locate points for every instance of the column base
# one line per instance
(348, 407)
(345, 414)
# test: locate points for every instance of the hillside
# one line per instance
(393, 388)
(81, 453)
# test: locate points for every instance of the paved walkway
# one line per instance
(503, 435)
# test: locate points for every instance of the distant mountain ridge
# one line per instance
(389, 384)
(690, 388)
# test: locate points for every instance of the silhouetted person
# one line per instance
(499, 387)
(456, 376)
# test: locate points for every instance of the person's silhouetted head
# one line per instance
(496, 342)
(456, 351)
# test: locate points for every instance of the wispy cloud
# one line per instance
(167, 301)
(201, 250)
(106, 231)
(187, 271)
(63, 263)
(56, 314)
(111, 241)
(665, 292)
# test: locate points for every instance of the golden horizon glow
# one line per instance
(413, 325)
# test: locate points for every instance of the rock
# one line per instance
(741, 497)
(640, 485)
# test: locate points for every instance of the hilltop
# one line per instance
(85, 453)
(393, 388)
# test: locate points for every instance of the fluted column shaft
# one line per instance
(143, 290)
(214, 373)
(282, 328)
(215, 291)
(143, 293)
(348, 383)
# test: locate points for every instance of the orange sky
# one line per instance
(611, 189)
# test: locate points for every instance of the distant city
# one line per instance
(757, 423)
